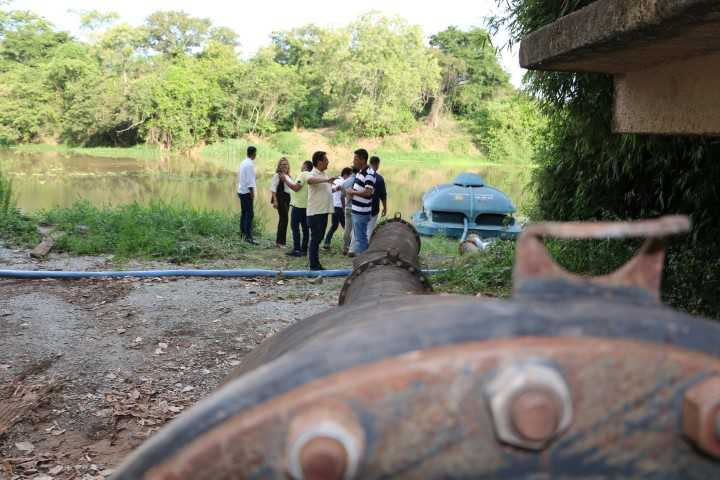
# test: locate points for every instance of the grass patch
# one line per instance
(487, 273)
(158, 230)
(15, 227)
(142, 152)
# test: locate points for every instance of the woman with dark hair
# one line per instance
(280, 200)
(298, 215)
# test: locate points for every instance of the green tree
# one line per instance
(587, 172)
(175, 33)
(313, 52)
(471, 71)
(95, 19)
(384, 78)
(28, 109)
(117, 47)
(27, 38)
(173, 105)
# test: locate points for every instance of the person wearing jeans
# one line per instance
(338, 217)
(347, 235)
(319, 206)
(361, 194)
(298, 213)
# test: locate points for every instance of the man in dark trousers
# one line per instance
(246, 192)
(379, 196)
(319, 206)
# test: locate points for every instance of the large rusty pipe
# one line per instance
(389, 267)
(593, 375)
(394, 235)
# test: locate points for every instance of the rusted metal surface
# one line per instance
(425, 416)
(701, 411)
(642, 271)
(385, 275)
(569, 379)
(394, 236)
(390, 266)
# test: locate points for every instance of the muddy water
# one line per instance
(47, 180)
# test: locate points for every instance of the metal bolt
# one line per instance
(535, 414)
(323, 458)
(325, 444)
(701, 416)
(530, 405)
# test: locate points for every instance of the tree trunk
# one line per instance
(438, 103)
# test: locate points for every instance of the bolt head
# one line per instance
(535, 414)
(530, 405)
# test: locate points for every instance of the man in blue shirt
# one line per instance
(379, 195)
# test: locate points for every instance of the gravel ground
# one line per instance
(90, 368)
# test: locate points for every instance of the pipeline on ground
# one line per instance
(573, 377)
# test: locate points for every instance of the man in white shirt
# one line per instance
(246, 192)
(338, 217)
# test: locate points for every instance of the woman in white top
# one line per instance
(281, 200)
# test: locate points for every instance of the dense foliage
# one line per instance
(177, 81)
(588, 172)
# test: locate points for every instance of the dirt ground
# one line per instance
(91, 368)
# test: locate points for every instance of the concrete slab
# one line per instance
(618, 36)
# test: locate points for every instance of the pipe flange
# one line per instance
(398, 219)
(384, 260)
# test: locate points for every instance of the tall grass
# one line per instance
(6, 195)
(14, 226)
(141, 152)
(158, 230)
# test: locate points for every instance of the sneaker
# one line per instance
(351, 254)
(251, 241)
(326, 247)
(295, 253)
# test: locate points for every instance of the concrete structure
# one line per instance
(663, 54)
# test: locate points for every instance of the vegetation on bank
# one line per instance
(585, 171)
(177, 81)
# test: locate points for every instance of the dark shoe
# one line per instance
(315, 269)
(351, 254)
(304, 252)
(295, 253)
(251, 241)
(326, 246)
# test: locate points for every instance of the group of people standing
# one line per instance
(308, 201)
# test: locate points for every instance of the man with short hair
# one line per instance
(338, 217)
(348, 242)
(246, 192)
(361, 194)
(379, 195)
(319, 206)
